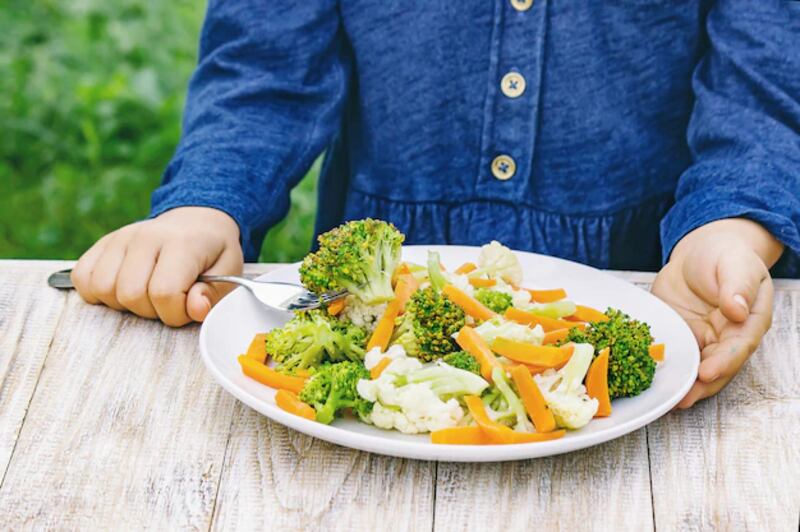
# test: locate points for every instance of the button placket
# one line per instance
(510, 129)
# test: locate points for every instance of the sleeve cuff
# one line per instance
(746, 192)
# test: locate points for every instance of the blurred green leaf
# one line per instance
(90, 115)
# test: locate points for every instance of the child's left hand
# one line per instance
(717, 278)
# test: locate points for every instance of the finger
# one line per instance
(134, 277)
(203, 296)
(104, 274)
(697, 392)
(739, 341)
(700, 391)
(739, 275)
(81, 274)
(175, 271)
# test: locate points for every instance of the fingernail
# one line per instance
(207, 303)
(742, 301)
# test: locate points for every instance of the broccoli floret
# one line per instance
(463, 360)
(426, 328)
(359, 256)
(312, 337)
(630, 367)
(494, 300)
(332, 388)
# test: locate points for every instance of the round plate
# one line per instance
(232, 323)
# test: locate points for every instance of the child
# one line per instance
(617, 134)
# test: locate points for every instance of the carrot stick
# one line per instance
(555, 336)
(266, 375)
(472, 342)
(597, 383)
(536, 355)
(460, 436)
(378, 368)
(289, 402)
(468, 304)
(336, 307)
(657, 352)
(548, 324)
(583, 313)
(496, 432)
(257, 350)
(403, 269)
(533, 400)
(547, 296)
(499, 433)
(480, 282)
(406, 285)
(466, 268)
(383, 331)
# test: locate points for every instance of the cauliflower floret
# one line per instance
(499, 327)
(420, 411)
(361, 314)
(565, 395)
(496, 260)
(413, 397)
(519, 298)
(375, 355)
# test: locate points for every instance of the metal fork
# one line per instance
(273, 294)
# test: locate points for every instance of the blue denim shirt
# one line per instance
(600, 132)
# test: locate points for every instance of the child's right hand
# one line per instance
(151, 268)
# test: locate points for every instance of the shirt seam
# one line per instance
(605, 213)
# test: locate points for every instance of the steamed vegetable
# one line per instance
(412, 397)
(333, 388)
(426, 328)
(358, 256)
(499, 327)
(564, 392)
(266, 375)
(496, 260)
(313, 337)
(493, 300)
(630, 367)
(463, 360)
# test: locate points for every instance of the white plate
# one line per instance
(231, 325)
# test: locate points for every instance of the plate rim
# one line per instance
(445, 452)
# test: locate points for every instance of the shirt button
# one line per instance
(513, 84)
(503, 167)
(522, 5)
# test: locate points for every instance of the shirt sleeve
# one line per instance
(264, 101)
(744, 133)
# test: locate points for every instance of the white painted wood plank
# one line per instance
(733, 462)
(278, 479)
(29, 312)
(126, 430)
(602, 488)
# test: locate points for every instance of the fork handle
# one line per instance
(61, 279)
(235, 279)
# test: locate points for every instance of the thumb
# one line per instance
(739, 275)
(202, 296)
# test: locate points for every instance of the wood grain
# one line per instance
(278, 479)
(113, 423)
(602, 488)
(29, 312)
(126, 430)
(733, 462)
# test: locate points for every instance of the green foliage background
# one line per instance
(91, 94)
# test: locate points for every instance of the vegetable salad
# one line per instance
(468, 355)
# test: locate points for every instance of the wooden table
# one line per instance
(111, 421)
